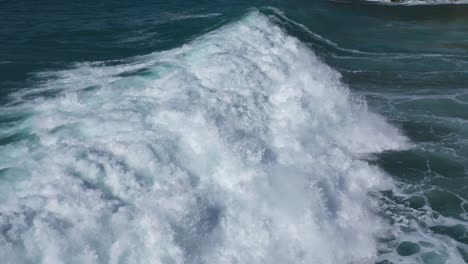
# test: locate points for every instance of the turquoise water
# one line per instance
(233, 132)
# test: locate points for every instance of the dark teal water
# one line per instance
(233, 132)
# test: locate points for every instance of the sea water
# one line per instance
(233, 132)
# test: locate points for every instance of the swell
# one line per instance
(331, 48)
(239, 147)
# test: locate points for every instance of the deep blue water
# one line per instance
(233, 132)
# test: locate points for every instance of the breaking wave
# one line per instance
(239, 147)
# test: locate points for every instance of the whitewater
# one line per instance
(240, 146)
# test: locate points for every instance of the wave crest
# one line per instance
(240, 147)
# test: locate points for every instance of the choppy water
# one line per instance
(233, 132)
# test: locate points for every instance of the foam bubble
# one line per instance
(240, 147)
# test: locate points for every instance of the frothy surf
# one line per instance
(240, 147)
(421, 2)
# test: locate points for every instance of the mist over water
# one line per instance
(241, 135)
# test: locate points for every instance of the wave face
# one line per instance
(239, 147)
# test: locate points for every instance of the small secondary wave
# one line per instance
(338, 51)
(240, 147)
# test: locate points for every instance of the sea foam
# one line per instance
(239, 147)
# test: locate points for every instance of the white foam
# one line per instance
(239, 147)
(422, 2)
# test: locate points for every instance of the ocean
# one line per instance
(325, 132)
